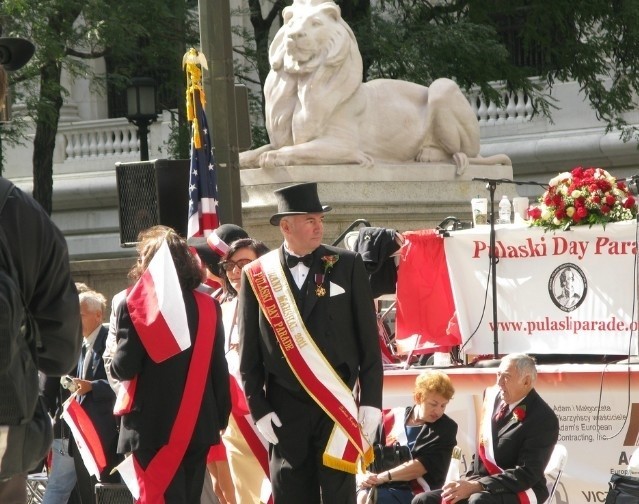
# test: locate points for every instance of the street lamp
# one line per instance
(141, 109)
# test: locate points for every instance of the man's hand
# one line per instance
(369, 419)
(459, 490)
(82, 386)
(265, 426)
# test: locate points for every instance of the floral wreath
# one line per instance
(328, 261)
(583, 196)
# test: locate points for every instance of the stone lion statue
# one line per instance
(318, 110)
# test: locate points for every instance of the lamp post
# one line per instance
(141, 109)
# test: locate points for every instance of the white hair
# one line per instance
(93, 300)
(524, 363)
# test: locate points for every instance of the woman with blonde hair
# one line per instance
(429, 434)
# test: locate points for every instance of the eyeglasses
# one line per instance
(231, 265)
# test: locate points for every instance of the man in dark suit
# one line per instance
(331, 315)
(94, 392)
(517, 436)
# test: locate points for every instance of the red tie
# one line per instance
(502, 411)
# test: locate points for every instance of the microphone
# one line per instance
(510, 181)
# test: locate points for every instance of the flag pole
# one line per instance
(219, 85)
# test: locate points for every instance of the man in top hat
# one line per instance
(309, 356)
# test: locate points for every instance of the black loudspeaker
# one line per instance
(112, 493)
(152, 193)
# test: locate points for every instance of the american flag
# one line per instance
(203, 216)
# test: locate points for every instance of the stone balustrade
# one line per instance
(91, 139)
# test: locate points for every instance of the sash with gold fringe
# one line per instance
(346, 447)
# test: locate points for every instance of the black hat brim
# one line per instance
(15, 52)
(275, 218)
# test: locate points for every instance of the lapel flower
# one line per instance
(328, 261)
(519, 413)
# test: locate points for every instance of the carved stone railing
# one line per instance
(93, 139)
(516, 108)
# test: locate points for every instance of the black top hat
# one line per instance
(15, 52)
(213, 248)
(297, 199)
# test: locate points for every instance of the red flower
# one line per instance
(581, 213)
(629, 202)
(534, 213)
(519, 413)
(584, 196)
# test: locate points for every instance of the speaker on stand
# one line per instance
(152, 193)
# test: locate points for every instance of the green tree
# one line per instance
(134, 37)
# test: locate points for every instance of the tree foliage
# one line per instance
(134, 37)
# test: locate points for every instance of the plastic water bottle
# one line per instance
(504, 210)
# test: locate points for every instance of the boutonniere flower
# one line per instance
(328, 261)
(519, 413)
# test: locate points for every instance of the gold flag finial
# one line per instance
(193, 62)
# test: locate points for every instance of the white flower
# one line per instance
(575, 194)
(560, 178)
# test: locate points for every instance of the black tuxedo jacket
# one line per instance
(522, 449)
(343, 326)
(161, 385)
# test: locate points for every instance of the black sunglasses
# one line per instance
(231, 265)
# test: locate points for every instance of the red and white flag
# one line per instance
(157, 308)
(86, 437)
(131, 475)
(124, 399)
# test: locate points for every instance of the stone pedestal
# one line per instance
(405, 197)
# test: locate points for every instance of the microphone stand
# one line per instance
(491, 185)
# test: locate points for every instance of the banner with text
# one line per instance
(557, 292)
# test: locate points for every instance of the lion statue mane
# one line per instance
(318, 110)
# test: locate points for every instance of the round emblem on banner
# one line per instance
(567, 287)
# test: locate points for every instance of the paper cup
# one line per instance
(520, 209)
(480, 211)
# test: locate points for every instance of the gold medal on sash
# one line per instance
(320, 290)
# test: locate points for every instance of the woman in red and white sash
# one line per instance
(428, 432)
(181, 401)
(246, 450)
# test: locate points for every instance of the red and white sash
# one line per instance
(148, 485)
(347, 448)
(486, 448)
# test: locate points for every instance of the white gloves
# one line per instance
(369, 419)
(265, 426)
